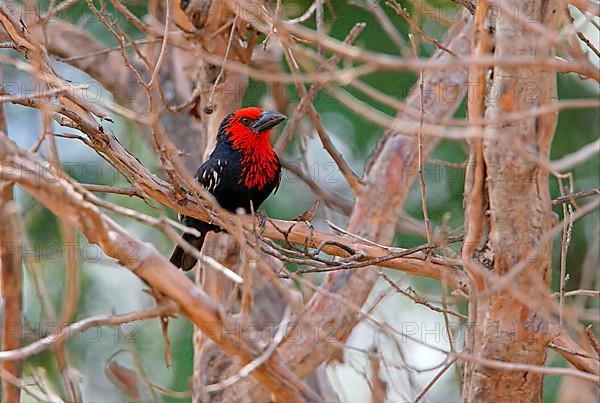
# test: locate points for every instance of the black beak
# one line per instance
(267, 120)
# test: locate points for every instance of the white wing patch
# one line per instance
(211, 177)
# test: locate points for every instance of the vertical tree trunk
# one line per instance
(509, 210)
(388, 179)
(11, 283)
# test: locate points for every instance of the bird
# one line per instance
(241, 172)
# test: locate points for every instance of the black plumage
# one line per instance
(241, 172)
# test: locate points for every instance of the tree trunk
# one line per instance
(508, 209)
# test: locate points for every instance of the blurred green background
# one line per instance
(106, 287)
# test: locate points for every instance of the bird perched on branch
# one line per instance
(241, 172)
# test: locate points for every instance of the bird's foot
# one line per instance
(262, 219)
(309, 214)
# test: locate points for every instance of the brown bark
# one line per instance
(507, 201)
(69, 201)
(509, 209)
(11, 284)
(379, 204)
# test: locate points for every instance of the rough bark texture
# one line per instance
(379, 204)
(516, 196)
(387, 184)
(508, 207)
(10, 286)
(11, 282)
(63, 197)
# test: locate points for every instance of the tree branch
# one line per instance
(68, 201)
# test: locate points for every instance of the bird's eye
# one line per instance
(246, 121)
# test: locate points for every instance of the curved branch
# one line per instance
(67, 200)
(165, 308)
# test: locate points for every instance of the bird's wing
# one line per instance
(209, 176)
(209, 173)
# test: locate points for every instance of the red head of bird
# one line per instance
(248, 130)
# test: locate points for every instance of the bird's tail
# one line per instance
(184, 260)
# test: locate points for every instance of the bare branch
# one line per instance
(163, 309)
(63, 198)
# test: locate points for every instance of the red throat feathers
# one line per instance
(259, 161)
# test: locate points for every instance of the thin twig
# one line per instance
(575, 196)
(516, 366)
(434, 380)
(163, 46)
(420, 149)
(410, 293)
(574, 293)
(211, 98)
(405, 14)
(578, 157)
(294, 121)
(132, 191)
(353, 180)
(165, 308)
(564, 245)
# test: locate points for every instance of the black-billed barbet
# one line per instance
(241, 172)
